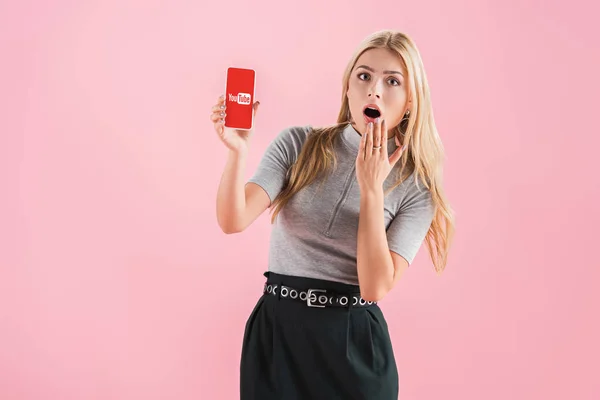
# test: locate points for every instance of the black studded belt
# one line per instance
(317, 297)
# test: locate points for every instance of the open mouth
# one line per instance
(372, 112)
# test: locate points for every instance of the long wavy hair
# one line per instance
(424, 153)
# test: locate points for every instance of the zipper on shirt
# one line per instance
(347, 186)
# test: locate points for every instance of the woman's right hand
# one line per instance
(234, 139)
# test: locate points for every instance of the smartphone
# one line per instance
(239, 98)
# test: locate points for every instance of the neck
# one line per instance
(390, 134)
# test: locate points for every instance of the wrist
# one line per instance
(372, 195)
(241, 152)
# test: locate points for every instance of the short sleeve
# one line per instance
(279, 156)
(408, 229)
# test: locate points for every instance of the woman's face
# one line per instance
(377, 89)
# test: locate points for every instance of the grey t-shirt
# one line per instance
(315, 234)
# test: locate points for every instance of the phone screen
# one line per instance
(239, 97)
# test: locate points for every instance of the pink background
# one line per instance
(112, 263)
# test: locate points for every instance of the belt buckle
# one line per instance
(310, 299)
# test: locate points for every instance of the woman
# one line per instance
(352, 203)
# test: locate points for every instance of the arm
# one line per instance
(238, 205)
(383, 256)
(378, 268)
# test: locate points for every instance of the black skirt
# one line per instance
(295, 352)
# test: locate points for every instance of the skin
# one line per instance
(369, 84)
(373, 81)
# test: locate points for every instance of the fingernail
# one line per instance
(370, 124)
(222, 114)
(222, 107)
(377, 120)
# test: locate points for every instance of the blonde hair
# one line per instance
(424, 153)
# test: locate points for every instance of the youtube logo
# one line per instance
(241, 98)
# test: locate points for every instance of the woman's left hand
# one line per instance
(372, 162)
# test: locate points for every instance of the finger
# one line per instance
(396, 155)
(369, 144)
(384, 133)
(362, 145)
(377, 136)
(218, 107)
(255, 107)
(216, 116)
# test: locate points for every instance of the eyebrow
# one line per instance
(385, 72)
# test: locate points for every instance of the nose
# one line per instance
(375, 89)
